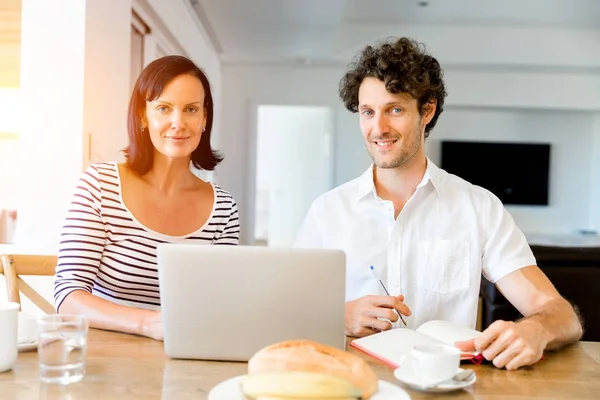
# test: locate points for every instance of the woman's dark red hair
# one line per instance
(139, 154)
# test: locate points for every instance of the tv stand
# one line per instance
(563, 240)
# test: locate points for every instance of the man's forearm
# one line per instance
(560, 322)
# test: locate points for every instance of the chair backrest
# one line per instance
(13, 266)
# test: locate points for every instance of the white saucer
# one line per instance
(231, 390)
(27, 332)
(406, 376)
(27, 346)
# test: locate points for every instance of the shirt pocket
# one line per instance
(444, 265)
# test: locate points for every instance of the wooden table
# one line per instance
(121, 366)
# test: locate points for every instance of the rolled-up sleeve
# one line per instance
(506, 248)
(82, 239)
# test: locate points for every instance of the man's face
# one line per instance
(391, 124)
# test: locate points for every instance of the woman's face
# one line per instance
(176, 119)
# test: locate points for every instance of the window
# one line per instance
(10, 64)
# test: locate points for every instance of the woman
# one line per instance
(121, 212)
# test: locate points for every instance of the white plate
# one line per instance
(406, 376)
(27, 336)
(231, 390)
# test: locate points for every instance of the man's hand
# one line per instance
(509, 345)
(362, 314)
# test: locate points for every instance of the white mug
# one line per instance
(433, 364)
(9, 316)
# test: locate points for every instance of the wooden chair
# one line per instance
(13, 266)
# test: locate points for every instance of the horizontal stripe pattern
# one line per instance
(106, 252)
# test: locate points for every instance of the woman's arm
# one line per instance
(104, 314)
(231, 231)
(80, 253)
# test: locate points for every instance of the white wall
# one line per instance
(594, 182)
(8, 178)
(318, 85)
(575, 90)
(51, 140)
(571, 138)
(485, 46)
(107, 57)
(9, 113)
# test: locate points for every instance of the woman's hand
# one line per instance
(152, 325)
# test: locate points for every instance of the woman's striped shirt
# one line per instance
(105, 251)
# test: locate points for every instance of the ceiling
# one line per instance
(556, 13)
(10, 42)
(311, 30)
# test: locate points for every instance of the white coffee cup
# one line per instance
(433, 364)
(9, 316)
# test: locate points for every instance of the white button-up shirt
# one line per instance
(434, 252)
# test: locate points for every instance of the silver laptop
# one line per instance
(227, 302)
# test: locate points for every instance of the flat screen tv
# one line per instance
(518, 173)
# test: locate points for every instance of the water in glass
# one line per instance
(61, 350)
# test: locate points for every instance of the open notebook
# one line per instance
(391, 346)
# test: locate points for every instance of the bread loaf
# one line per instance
(305, 355)
(300, 398)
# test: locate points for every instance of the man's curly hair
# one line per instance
(403, 66)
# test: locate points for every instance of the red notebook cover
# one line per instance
(475, 359)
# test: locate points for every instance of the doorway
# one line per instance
(294, 165)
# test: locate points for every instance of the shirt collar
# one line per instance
(366, 184)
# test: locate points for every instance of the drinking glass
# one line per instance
(62, 344)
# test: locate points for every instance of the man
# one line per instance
(429, 235)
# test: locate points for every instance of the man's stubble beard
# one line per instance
(406, 155)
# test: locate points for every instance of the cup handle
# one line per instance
(410, 361)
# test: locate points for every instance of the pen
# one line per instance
(386, 292)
